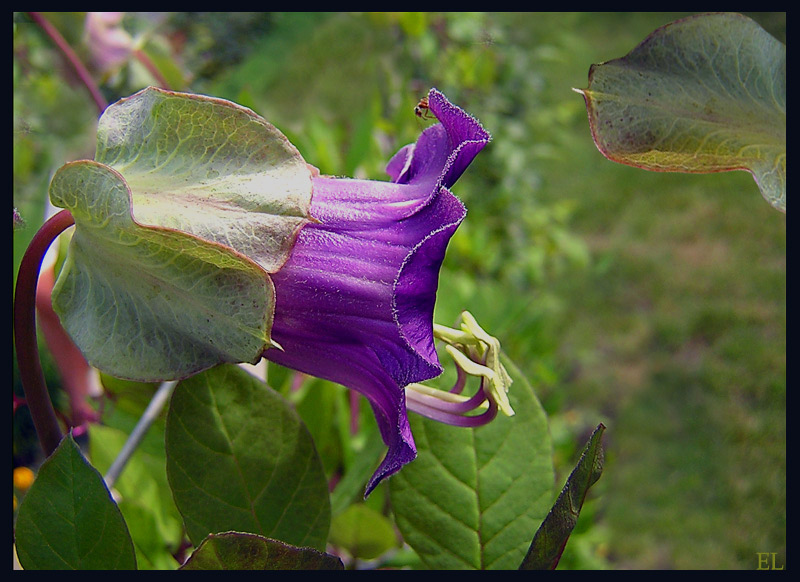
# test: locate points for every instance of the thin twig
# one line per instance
(155, 407)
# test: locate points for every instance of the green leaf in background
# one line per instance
(240, 459)
(363, 532)
(241, 551)
(128, 397)
(350, 488)
(144, 496)
(68, 521)
(318, 402)
(702, 94)
(148, 303)
(349, 457)
(551, 537)
(157, 50)
(472, 497)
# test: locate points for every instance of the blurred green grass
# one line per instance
(655, 303)
(652, 302)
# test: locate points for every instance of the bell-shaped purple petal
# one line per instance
(355, 299)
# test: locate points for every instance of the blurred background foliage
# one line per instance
(654, 303)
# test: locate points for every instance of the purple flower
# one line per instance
(354, 301)
(108, 43)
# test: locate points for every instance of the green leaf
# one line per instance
(318, 403)
(240, 551)
(128, 396)
(363, 532)
(149, 303)
(189, 205)
(551, 537)
(368, 456)
(702, 94)
(240, 459)
(68, 520)
(158, 50)
(472, 496)
(144, 496)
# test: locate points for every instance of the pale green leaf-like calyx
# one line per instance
(208, 167)
(189, 206)
(702, 94)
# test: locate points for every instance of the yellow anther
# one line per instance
(472, 343)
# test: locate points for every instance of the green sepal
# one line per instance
(191, 202)
(147, 303)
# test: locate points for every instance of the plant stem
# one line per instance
(151, 68)
(30, 368)
(73, 59)
(150, 414)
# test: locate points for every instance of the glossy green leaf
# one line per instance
(240, 459)
(143, 494)
(240, 551)
(702, 94)
(363, 532)
(189, 204)
(68, 521)
(472, 497)
(551, 537)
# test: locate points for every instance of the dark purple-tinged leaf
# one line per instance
(551, 538)
(240, 459)
(68, 521)
(703, 94)
(242, 551)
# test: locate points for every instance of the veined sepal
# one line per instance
(152, 303)
(189, 206)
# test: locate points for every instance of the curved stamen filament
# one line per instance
(475, 353)
(461, 381)
(449, 408)
(445, 401)
(471, 367)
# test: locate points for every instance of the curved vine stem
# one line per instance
(30, 368)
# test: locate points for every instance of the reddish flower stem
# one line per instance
(30, 368)
(152, 68)
(73, 59)
(78, 379)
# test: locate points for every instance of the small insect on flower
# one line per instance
(422, 110)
